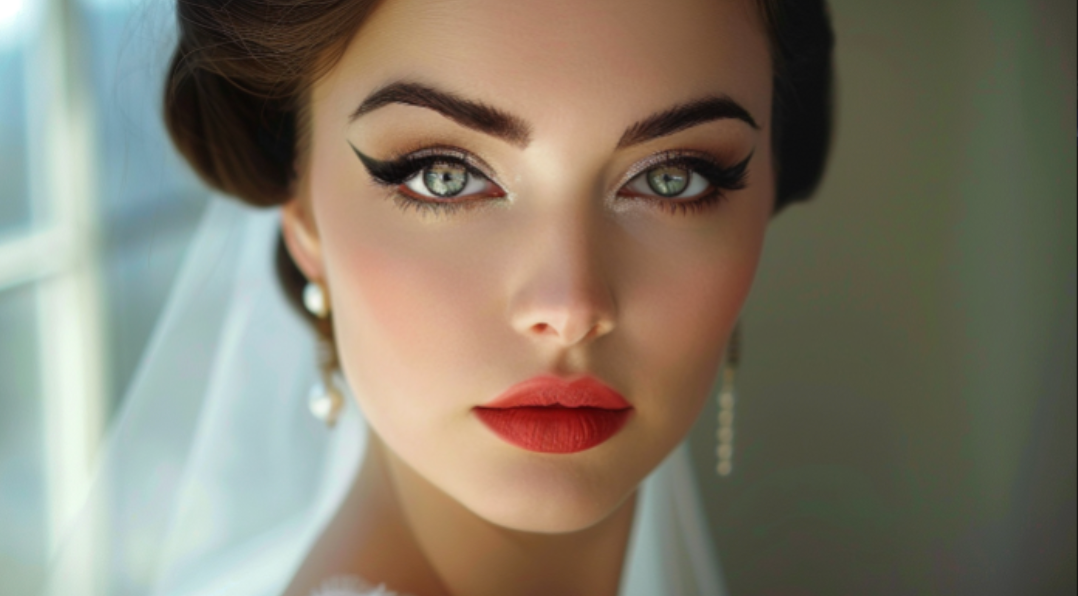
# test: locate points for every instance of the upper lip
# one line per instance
(548, 390)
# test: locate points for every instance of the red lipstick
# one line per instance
(552, 415)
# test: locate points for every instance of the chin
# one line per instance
(520, 490)
(548, 498)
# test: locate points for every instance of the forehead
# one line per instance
(561, 62)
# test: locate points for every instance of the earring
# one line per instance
(324, 399)
(727, 400)
(314, 300)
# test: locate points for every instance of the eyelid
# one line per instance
(660, 159)
(452, 154)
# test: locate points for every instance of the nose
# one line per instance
(563, 296)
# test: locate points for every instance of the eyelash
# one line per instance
(395, 172)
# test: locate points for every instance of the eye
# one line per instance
(448, 179)
(444, 180)
(669, 181)
(683, 182)
(433, 177)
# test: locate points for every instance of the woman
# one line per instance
(523, 232)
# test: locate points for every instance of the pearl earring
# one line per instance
(324, 399)
(727, 400)
(314, 300)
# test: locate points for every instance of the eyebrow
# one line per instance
(515, 130)
(683, 116)
(472, 114)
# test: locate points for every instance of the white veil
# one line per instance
(216, 480)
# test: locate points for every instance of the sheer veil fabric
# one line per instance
(217, 481)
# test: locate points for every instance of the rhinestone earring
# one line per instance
(324, 399)
(727, 400)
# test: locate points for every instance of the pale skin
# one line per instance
(563, 273)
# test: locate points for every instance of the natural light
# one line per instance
(12, 12)
(9, 12)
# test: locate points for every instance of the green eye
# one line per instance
(668, 181)
(445, 180)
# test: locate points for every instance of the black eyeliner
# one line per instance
(397, 171)
(394, 172)
(722, 177)
(385, 172)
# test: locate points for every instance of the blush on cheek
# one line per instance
(382, 309)
(406, 324)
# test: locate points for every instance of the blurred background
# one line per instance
(907, 413)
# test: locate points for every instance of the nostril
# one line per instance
(541, 328)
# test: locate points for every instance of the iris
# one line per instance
(445, 180)
(668, 181)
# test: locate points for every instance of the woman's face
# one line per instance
(587, 235)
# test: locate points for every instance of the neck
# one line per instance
(440, 548)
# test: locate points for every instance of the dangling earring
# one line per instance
(314, 300)
(324, 399)
(727, 400)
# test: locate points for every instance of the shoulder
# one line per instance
(351, 586)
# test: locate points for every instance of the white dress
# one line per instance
(351, 586)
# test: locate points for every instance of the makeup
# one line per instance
(547, 414)
(720, 179)
(400, 173)
(397, 174)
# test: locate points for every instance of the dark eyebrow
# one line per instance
(472, 114)
(490, 120)
(684, 116)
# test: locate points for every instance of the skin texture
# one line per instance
(436, 314)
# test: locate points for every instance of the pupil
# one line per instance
(668, 181)
(445, 180)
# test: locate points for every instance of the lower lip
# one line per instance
(554, 429)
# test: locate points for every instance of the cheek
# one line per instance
(691, 311)
(404, 323)
(686, 328)
(679, 313)
(408, 324)
(414, 319)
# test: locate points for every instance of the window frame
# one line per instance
(60, 255)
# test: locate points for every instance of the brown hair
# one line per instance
(238, 78)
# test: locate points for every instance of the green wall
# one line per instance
(906, 422)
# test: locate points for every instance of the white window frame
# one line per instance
(61, 257)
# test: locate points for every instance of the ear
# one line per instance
(301, 238)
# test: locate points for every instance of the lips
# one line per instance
(551, 415)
